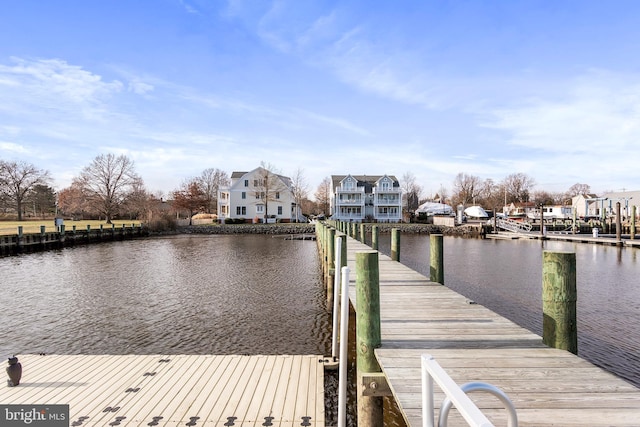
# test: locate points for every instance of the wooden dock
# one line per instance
(175, 390)
(549, 387)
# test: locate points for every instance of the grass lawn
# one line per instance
(33, 226)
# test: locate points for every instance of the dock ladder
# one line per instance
(457, 395)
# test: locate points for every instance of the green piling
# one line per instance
(375, 233)
(368, 336)
(436, 258)
(395, 244)
(559, 295)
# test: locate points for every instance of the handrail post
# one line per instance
(336, 295)
(344, 348)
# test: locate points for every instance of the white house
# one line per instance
(366, 198)
(258, 196)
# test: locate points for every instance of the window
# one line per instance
(260, 208)
(277, 194)
(279, 210)
(244, 195)
(246, 182)
(244, 210)
(385, 185)
(238, 210)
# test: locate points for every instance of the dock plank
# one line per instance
(472, 343)
(138, 390)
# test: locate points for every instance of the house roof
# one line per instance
(363, 180)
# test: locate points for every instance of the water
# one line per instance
(243, 294)
(506, 277)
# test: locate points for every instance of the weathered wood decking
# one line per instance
(172, 390)
(549, 387)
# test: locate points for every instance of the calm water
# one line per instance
(175, 295)
(506, 277)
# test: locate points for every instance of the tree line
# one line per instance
(109, 187)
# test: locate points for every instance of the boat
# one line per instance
(476, 212)
(433, 208)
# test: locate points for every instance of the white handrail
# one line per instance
(432, 371)
(336, 296)
(344, 334)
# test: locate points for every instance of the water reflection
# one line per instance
(180, 295)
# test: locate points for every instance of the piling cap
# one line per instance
(13, 360)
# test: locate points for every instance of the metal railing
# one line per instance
(456, 396)
(515, 226)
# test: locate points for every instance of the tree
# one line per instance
(107, 182)
(577, 189)
(43, 199)
(73, 201)
(466, 189)
(323, 195)
(191, 197)
(518, 187)
(268, 185)
(210, 182)
(300, 189)
(411, 192)
(17, 180)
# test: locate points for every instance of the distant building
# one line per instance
(366, 198)
(259, 196)
(591, 206)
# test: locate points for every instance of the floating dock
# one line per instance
(175, 390)
(549, 387)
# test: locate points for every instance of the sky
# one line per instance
(432, 88)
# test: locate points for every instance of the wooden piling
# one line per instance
(436, 258)
(330, 259)
(559, 295)
(375, 233)
(363, 233)
(368, 336)
(633, 222)
(618, 225)
(395, 244)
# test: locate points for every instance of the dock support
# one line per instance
(363, 234)
(375, 233)
(395, 244)
(618, 225)
(633, 222)
(559, 295)
(331, 270)
(436, 258)
(368, 336)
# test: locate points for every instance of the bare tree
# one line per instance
(300, 189)
(191, 197)
(577, 189)
(411, 192)
(17, 180)
(323, 195)
(107, 182)
(518, 187)
(72, 201)
(268, 186)
(210, 182)
(466, 188)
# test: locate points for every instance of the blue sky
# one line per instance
(488, 88)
